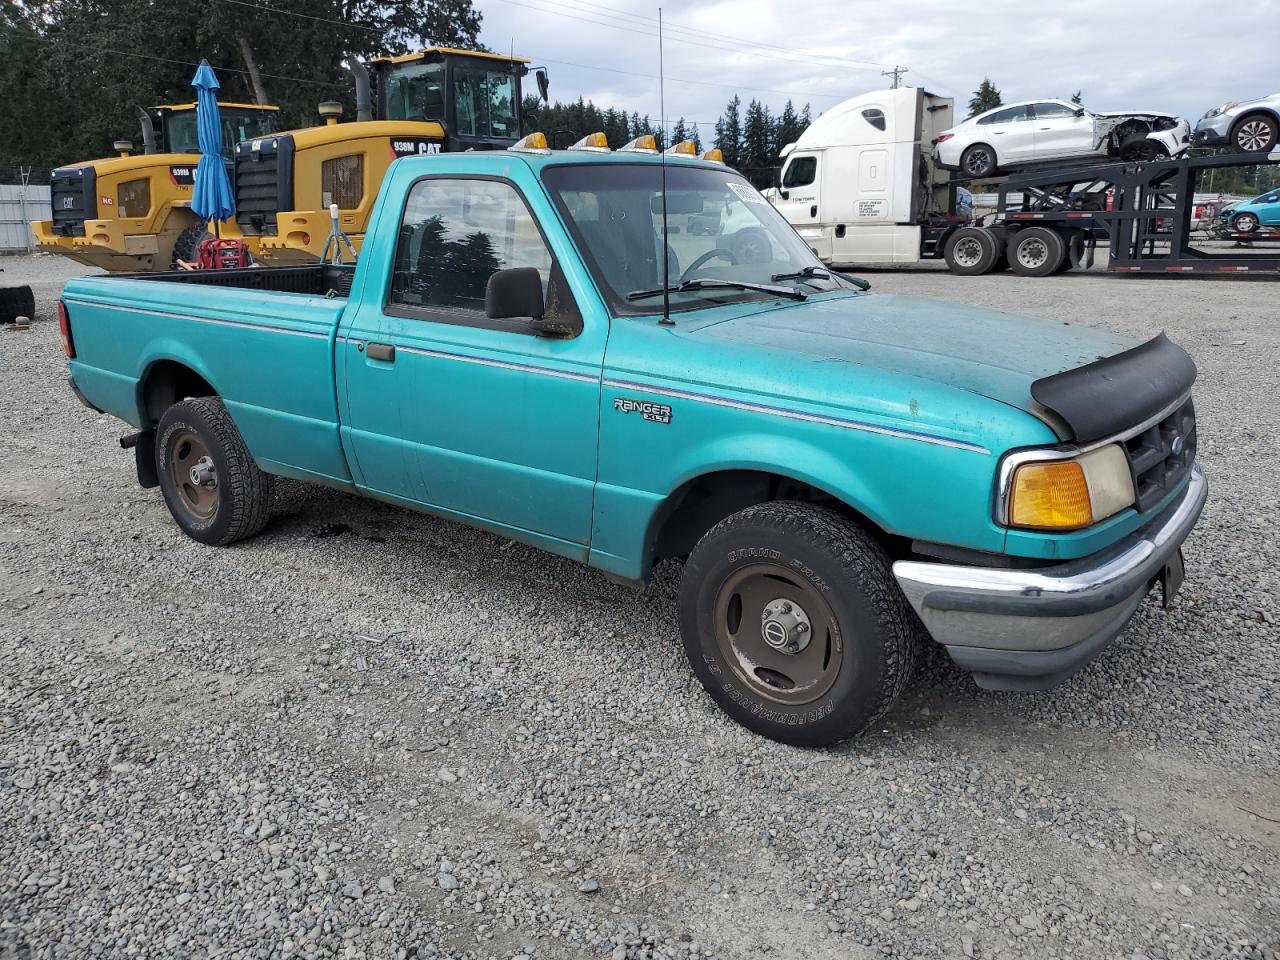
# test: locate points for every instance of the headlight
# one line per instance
(1219, 111)
(1042, 492)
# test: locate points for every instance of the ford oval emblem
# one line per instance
(1179, 444)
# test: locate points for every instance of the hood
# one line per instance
(137, 161)
(994, 355)
(1162, 114)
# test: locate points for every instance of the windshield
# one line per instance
(416, 92)
(485, 102)
(237, 125)
(719, 227)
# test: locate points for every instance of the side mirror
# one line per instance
(785, 195)
(1079, 111)
(512, 293)
(543, 84)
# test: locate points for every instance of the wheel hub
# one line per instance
(1032, 253)
(1253, 136)
(203, 474)
(968, 252)
(194, 475)
(785, 626)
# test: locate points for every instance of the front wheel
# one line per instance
(794, 623)
(210, 481)
(1257, 133)
(1244, 223)
(1139, 148)
(978, 161)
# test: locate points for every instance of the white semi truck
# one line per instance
(861, 187)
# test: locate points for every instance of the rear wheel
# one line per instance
(1244, 223)
(971, 251)
(210, 482)
(794, 624)
(1036, 252)
(1255, 133)
(187, 246)
(978, 160)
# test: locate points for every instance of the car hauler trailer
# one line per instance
(861, 188)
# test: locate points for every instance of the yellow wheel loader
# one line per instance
(434, 100)
(132, 212)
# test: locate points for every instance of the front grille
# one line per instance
(264, 183)
(1161, 456)
(73, 196)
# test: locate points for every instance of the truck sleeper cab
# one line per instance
(842, 473)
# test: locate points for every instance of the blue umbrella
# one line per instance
(212, 198)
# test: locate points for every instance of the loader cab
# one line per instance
(175, 129)
(475, 96)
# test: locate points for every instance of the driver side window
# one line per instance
(801, 172)
(454, 235)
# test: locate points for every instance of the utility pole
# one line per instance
(896, 73)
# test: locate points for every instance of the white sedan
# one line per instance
(1040, 130)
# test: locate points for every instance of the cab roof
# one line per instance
(538, 161)
(179, 107)
(427, 52)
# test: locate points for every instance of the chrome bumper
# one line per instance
(1032, 629)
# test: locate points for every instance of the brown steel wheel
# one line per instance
(778, 634)
(210, 481)
(793, 622)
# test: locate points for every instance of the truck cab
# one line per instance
(132, 212)
(857, 183)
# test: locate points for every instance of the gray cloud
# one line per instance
(1184, 57)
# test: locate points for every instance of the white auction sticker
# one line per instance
(747, 192)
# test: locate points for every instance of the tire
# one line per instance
(1255, 133)
(1139, 148)
(1073, 250)
(861, 634)
(199, 434)
(1036, 252)
(16, 302)
(187, 246)
(978, 161)
(971, 251)
(1244, 223)
(751, 245)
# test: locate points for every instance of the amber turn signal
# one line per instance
(1053, 495)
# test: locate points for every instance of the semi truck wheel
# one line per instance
(187, 246)
(16, 302)
(210, 481)
(1255, 133)
(1036, 251)
(971, 251)
(794, 624)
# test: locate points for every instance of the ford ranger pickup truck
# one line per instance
(843, 474)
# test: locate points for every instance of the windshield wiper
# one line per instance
(806, 273)
(711, 283)
(821, 273)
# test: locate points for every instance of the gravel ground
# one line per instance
(369, 733)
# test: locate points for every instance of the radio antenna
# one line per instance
(666, 320)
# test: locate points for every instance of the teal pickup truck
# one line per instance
(843, 474)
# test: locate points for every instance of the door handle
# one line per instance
(813, 211)
(381, 351)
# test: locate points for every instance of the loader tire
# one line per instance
(187, 246)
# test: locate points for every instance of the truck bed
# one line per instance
(313, 279)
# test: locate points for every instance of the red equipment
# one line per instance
(217, 253)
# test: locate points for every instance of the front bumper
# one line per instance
(1214, 130)
(1032, 629)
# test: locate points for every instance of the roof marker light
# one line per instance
(592, 143)
(714, 155)
(532, 143)
(645, 143)
(685, 148)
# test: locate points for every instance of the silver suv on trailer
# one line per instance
(1250, 126)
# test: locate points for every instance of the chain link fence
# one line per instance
(24, 198)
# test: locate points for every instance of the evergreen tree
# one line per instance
(678, 132)
(729, 132)
(695, 137)
(985, 98)
(756, 157)
(789, 127)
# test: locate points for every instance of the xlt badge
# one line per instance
(654, 412)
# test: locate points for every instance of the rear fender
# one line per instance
(160, 351)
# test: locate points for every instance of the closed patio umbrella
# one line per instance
(211, 199)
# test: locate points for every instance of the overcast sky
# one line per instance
(1183, 56)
